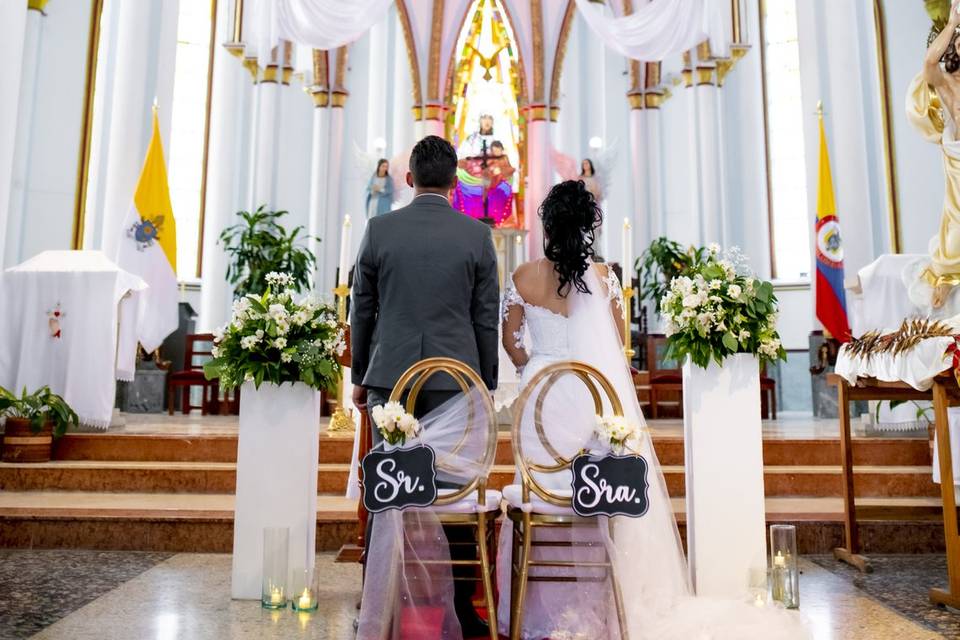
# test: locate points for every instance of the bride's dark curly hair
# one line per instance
(571, 217)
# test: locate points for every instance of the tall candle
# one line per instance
(345, 238)
(627, 253)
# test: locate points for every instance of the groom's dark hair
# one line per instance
(433, 163)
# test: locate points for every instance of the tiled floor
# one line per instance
(187, 597)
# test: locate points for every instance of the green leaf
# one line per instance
(730, 342)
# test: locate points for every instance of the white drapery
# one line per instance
(317, 24)
(658, 29)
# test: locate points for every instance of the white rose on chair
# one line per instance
(615, 432)
(394, 423)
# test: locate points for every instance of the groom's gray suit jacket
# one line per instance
(425, 284)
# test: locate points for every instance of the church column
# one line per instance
(130, 109)
(334, 213)
(693, 144)
(24, 128)
(708, 147)
(653, 98)
(377, 83)
(225, 153)
(433, 120)
(638, 158)
(13, 17)
(265, 157)
(538, 175)
(318, 169)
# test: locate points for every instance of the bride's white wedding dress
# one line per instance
(646, 552)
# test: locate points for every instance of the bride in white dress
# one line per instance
(571, 309)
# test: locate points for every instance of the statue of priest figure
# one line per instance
(484, 176)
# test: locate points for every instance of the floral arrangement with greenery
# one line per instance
(260, 245)
(661, 262)
(717, 308)
(39, 408)
(616, 432)
(275, 338)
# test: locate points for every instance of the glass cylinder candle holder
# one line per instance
(304, 585)
(784, 573)
(276, 542)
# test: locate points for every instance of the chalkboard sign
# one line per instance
(610, 485)
(399, 478)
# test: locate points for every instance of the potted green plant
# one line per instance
(260, 245)
(33, 421)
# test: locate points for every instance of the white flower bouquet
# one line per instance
(615, 431)
(718, 308)
(394, 423)
(276, 338)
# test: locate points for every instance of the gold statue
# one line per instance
(933, 107)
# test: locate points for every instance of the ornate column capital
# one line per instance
(319, 95)
(635, 98)
(338, 98)
(535, 112)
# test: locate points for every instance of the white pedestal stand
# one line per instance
(277, 462)
(723, 454)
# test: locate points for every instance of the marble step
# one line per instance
(204, 523)
(220, 477)
(219, 447)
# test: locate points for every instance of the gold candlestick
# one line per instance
(341, 421)
(628, 293)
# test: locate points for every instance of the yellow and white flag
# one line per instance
(148, 247)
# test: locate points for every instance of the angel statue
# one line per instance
(595, 173)
(384, 187)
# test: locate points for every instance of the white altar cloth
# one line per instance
(69, 322)
(882, 300)
(917, 367)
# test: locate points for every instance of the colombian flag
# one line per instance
(831, 300)
(148, 247)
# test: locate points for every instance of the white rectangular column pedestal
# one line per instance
(277, 461)
(723, 454)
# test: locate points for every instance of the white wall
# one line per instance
(919, 172)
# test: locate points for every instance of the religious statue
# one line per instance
(380, 190)
(484, 176)
(933, 107)
(589, 176)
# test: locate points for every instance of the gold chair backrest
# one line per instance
(592, 379)
(416, 377)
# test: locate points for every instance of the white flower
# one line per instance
(770, 347)
(275, 278)
(248, 377)
(280, 342)
(259, 334)
(249, 342)
(286, 357)
(218, 333)
(714, 248)
(715, 284)
(301, 317)
(744, 334)
(277, 312)
(216, 351)
(734, 291)
(691, 300)
(614, 431)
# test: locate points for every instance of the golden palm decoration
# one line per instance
(911, 332)
(939, 11)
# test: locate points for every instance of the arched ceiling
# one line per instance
(432, 27)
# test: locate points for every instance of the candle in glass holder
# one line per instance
(785, 575)
(275, 544)
(305, 584)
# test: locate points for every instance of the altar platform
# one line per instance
(162, 483)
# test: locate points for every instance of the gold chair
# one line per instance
(472, 505)
(532, 507)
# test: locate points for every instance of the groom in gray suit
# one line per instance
(425, 284)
